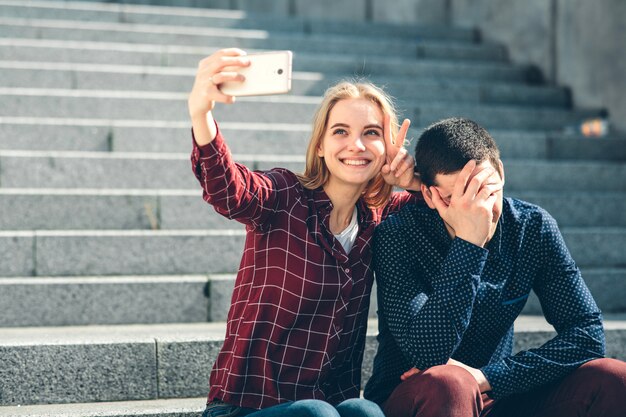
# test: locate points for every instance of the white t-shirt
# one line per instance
(348, 235)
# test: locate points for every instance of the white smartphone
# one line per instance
(268, 73)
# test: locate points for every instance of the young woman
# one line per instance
(298, 318)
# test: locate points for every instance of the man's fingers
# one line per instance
(461, 180)
(488, 189)
(476, 183)
(409, 374)
(438, 202)
(491, 200)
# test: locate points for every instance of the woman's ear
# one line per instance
(320, 151)
(428, 197)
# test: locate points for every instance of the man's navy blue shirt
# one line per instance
(441, 298)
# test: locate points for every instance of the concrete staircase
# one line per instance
(115, 276)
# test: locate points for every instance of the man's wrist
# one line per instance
(483, 382)
(480, 242)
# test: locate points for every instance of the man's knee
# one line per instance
(605, 373)
(446, 380)
(440, 390)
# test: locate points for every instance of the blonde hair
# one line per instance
(316, 174)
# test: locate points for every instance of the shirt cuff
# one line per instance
(213, 149)
(498, 376)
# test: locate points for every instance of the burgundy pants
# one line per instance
(596, 389)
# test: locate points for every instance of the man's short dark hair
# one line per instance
(446, 146)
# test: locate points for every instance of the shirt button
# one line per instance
(347, 270)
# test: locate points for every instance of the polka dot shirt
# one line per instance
(442, 298)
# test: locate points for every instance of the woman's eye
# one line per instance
(339, 132)
(372, 132)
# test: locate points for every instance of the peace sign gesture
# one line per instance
(398, 170)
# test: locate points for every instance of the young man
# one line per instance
(454, 274)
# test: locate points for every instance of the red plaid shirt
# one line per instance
(298, 317)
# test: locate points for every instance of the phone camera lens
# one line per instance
(280, 71)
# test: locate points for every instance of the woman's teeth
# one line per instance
(355, 161)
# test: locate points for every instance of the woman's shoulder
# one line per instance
(282, 178)
(290, 190)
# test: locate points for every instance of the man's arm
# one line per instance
(428, 310)
(427, 315)
(569, 307)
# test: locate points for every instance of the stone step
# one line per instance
(597, 279)
(175, 407)
(62, 301)
(99, 300)
(68, 169)
(115, 170)
(501, 116)
(70, 134)
(170, 106)
(582, 209)
(162, 252)
(361, 43)
(119, 252)
(350, 64)
(608, 287)
(228, 19)
(21, 74)
(131, 209)
(144, 362)
(64, 134)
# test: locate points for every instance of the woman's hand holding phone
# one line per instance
(231, 72)
(214, 70)
(217, 68)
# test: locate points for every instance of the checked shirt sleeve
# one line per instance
(232, 189)
(569, 307)
(426, 315)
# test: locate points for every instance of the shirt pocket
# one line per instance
(512, 301)
(515, 299)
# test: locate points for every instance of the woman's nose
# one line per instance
(357, 143)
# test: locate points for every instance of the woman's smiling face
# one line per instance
(353, 146)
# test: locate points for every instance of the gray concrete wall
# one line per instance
(524, 26)
(426, 12)
(580, 44)
(591, 51)
(576, 43)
